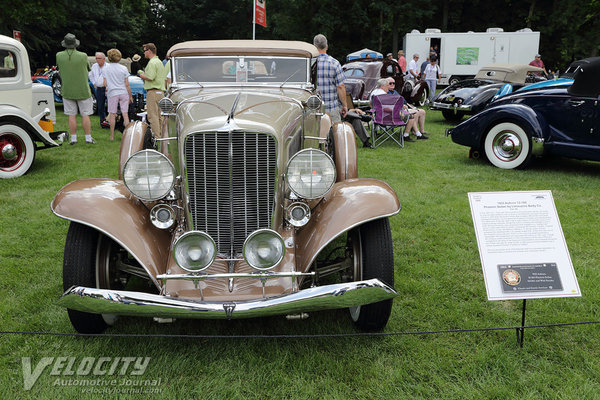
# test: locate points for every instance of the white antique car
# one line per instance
(27, 111)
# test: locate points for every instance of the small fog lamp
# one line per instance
(264, 249)
(298, 214)
(162, 216)
(194, 251)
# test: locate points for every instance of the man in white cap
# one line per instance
(74, 67)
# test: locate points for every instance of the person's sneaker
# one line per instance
(72, 142)
(105, 124)
(90, 141)
(408, 139)
(422, 137)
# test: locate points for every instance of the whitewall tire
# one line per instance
(507, 146)
(17, 151)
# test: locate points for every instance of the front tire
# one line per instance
(452, 116)
(17, 151)
(373, 258)
(89, 261)
(507, 145)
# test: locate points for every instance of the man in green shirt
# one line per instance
(74, 67)
(154, 82)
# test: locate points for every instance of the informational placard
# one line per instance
(522, 247)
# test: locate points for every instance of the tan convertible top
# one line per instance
(243, 47)
(512, 73)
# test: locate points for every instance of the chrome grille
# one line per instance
(231, 183)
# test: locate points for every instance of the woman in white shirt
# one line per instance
(432, 76)
(117, 89)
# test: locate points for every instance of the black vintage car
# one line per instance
(362, 75)
(470, 96)
(559, 120)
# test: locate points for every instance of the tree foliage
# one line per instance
(569, 30)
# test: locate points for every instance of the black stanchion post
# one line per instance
(521, 330)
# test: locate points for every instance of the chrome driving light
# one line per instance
(313, 103)
(263, 249)
(194, 251)
(162, 216)
(166, 105)
(310, 173)
(298, 214)
(149, 175)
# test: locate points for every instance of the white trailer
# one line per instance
(463, 54)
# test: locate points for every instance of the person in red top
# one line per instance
(537, 62)
(402, 61)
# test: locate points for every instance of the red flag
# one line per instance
(17, 35)
(260, 12)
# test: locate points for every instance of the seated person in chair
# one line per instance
(417, 119)
(355, 117)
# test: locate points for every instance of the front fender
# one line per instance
(131, 142)
(345, 151)
(107, 206)
(10, 113)
(349, 204)
(472, 131)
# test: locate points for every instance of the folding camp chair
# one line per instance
(389, 119)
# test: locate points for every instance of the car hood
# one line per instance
(466, 90)
(278, 112)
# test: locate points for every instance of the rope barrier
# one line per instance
(312, 336)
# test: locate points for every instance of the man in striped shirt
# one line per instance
(330, 81)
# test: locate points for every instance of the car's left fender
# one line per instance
(349, 204)
(472, 131)
(12, 114)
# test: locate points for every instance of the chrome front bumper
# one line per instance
(120, 302)
(445, 106)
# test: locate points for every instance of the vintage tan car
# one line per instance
(247, 204)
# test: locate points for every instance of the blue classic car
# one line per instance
(561, 120)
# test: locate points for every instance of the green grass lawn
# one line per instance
(437, 271)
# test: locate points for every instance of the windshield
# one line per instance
(246, 69)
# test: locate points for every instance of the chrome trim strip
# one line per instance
(120, 302)
(256, 275)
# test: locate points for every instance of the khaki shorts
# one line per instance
(86, 107)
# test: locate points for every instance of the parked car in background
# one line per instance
(362, 75)
(470, 96)
(561, 121)
(248, 204)
(27, 113)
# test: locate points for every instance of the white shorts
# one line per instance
(86, 107)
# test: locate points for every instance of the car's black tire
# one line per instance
(453, 116)
(373, 258)
(507, 145)
(17, 151)
(453, 80)
(94, 102)
(79, 269)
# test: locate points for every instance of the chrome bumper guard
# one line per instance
(446, 106)
(120, 302)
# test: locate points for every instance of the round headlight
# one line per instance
(149, 175)
(313, 103)
(310, 173)
(194, 251)
(166, 105)
(263, 249)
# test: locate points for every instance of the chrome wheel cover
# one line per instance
(507, 146)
